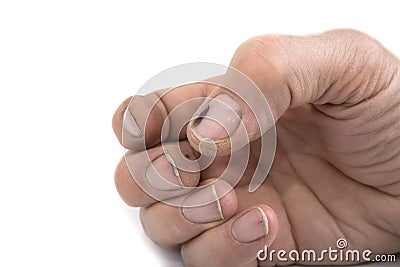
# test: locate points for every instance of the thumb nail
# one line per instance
(219, 118)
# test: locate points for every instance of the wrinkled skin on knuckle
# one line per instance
(361, 66)
(337, 67)
(366, 83)
(340, 66)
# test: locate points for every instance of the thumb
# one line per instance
(340, 67)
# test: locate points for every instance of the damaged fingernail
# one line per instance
(210, 212)
(220, 118)
(201, 115)
(162, 174)
(130, 125)
(251, 226)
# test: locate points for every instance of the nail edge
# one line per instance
(265, 221)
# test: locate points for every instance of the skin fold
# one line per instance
(336, 173)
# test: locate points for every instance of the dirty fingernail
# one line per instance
(205, 213)
(219, 118)
(251, 226)
(162, 174)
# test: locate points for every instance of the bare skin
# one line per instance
(336, 173)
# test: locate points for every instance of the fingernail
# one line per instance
(130, 125)
(251, 226)
(162, 174)
(210, 212)
(219, 118)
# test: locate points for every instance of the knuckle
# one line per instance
(356, 66)
(355, 34)
(351, 35)
(364, 44)
(362, 47)
(372, 61)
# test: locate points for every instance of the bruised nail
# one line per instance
(251, 226)
(130, 125)
(162, 174)
(220, 118)
(210, 212)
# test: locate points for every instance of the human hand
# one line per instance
(336, 172)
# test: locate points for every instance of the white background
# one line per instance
(64, 68)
